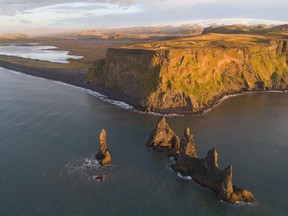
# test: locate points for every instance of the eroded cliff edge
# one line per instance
(192, 74)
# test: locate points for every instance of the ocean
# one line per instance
(49, 133)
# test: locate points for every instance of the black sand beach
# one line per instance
(70, 76)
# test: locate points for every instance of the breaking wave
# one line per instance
(88, 167)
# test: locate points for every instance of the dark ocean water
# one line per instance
(49, 133)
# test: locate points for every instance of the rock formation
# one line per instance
(206, 173)
(203, 171)
(192, 74)
(163, 137)
(187, 142)
(103, 155)
(211, 160)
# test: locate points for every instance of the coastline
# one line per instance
(77, 78)
(69, 76)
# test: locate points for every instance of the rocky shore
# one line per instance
(203, 171)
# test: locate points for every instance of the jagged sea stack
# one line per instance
(163, 137)
(206, 173)
(103, 155)
(187, 142)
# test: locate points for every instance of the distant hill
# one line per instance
(91, 34)
(141, 33)
(281, 30)
(13, 36)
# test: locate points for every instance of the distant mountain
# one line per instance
(91, 33)
(141, 33)
(13, 36)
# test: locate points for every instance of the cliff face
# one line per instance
(192, 78)
(133, 72)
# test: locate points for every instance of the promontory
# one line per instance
(191, 74)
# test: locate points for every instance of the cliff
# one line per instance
(192, 74)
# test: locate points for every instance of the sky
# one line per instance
(48, 16)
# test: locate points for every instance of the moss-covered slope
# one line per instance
(192, 74)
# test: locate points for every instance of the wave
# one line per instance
(89, 168)
(184, 177)
(239, 94)
(126, 106)
(80, 165)
(106, 99)
(239, 203)
(100, 96)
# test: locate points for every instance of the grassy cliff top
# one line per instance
(205, 40)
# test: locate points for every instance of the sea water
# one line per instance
(49, 133)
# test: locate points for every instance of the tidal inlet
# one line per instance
(143, 108)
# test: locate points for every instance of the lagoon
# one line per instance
(36, 52)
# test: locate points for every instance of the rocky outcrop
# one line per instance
(206, 173)
(203, 171)
(187, 142)
(211, 160)
(192, 74)
(103, 156)
(163, 138)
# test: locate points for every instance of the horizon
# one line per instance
(55, 17)
(203, 23)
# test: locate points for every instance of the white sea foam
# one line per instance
(126, 106)
(81, 165)
(168, 167)
(236, 95)
(88, 167)
(184, 177)
(239, 203)
(100, 96)
(106, 99)
(90, 163)
(98, 178)
(93, 93)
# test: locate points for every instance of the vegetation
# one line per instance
(193, 73)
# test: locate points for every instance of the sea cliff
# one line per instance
(192, 74)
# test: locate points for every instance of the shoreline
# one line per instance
(78, 79)
(69, 76)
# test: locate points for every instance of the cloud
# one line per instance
(13, 7)
(25, 21)
(28, 15)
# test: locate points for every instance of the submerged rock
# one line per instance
(103, 156)
(163, 137)
(206, 173)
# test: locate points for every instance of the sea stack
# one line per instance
(206, 173)
(103, 155)
(163, 137)
(187, 142)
